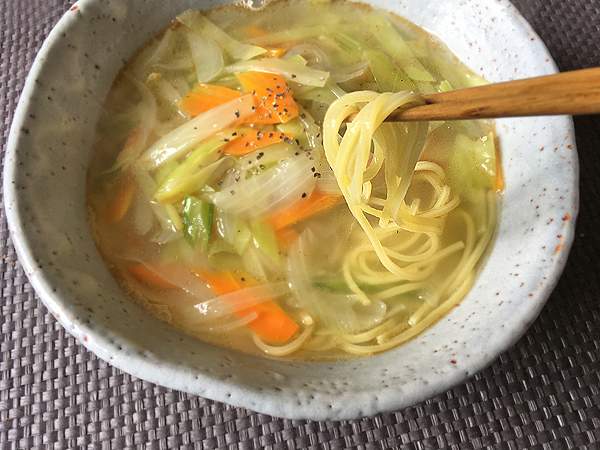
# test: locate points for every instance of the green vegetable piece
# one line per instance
(388, 76)
(472, 164)
(264, 239)
(186, 177)
(197, 222)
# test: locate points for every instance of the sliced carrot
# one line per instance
(252, 139)
(121, 200)
(141, 273)
(274, 101)
(303, 209)
(206, 96)
(272, 324)
(276, 52)
(286, 237)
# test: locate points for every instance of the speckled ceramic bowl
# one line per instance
(45, 168)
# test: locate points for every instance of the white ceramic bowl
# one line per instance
(45, 169)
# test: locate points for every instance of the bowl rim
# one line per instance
(137, 365)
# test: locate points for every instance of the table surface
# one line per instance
(544, 393)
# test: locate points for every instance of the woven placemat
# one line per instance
(542, 394)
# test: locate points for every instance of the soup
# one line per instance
(246, 188)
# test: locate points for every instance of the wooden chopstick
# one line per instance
(576, 92)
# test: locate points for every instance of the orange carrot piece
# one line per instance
(141, 273)
(272, 324)
(253, 139)
(286, 237)
(122, 199)
(207, 96)
(274, 101)
(303, 209)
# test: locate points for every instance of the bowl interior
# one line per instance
(45, 169)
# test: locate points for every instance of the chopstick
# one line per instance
(576, 92)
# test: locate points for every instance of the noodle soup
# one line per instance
(245, 187)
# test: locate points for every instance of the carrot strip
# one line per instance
(303, 209)
(274, 101)
(272, 324)
(121, 200)
(207, 96)
(286, 237)
(141, 273)
(253, 139)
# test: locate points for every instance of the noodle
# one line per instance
(388, 251)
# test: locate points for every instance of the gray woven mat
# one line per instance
(542, 394)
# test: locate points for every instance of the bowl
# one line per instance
(44, 185)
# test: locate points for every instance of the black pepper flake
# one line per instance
(304, 195)
(293, 75)
(303, 116)
(275, 105)
(297, 153)
(247, 144)
(317, 175)
(225, 140)
(297, 141)
(243, 279)
(237, 113)
(262, 167)
(271, 134)
(253, 108)
(312, 169)
(234, 133)
(269, 89)
(260, 155)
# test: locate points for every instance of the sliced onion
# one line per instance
(162, 49)
(143, 218)
(192, 132)
(207, 56)
(312, 53)
(178, 64)
(268, 190)
(165, 236)
(350, 72)
(233, 302)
